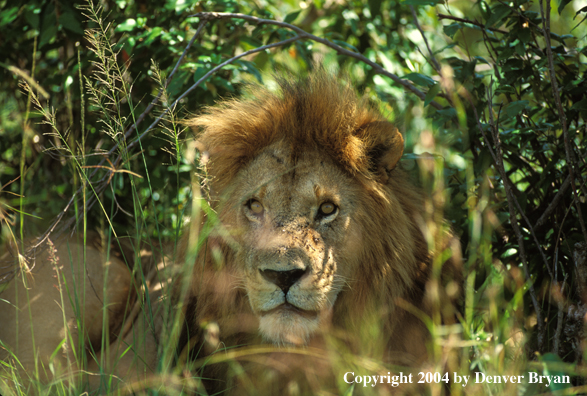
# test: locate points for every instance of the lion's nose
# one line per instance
(283, 279)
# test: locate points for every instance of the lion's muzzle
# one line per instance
(283, 279)
(287, 294)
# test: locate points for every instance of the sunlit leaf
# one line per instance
(420, 79)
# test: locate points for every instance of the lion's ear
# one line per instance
(386, 149)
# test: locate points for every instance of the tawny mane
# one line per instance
(316, 112)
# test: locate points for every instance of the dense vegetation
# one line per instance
(490, 96)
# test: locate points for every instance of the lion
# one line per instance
(320, 253)
(321, 235)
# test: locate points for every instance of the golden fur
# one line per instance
(288, 274)
(67, 298)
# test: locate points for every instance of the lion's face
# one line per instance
(298, 243)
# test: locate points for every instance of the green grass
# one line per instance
(490, 335)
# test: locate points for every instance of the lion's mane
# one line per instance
(320, 113)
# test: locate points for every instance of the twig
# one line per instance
(557, 198)
(478, 120)
(377, 68)
(568, 151)
(156, 99)
(531, 229)
(435, 63)
(453, 18)
(201, 80)
(555, 201)
(580, 260)
(559, 323)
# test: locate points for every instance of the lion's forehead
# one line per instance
(297, 185)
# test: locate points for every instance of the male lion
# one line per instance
(321, 236)
(320, 252)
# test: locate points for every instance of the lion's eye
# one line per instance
(326, 209)
(255, 206)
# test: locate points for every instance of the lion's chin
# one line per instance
(286, 325)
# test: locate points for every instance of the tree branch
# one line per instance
(378, 69)
(561, 306)
(453, 18)
(554, 203)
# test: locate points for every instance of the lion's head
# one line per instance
(318, 227)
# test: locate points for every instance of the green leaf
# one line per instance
(153, 35)
(431, 94)
(250, 42)
(420, 79)
(452, 29)
(177, 83)
(504, 53)
(345, 45)
(451, 45)
(498, 12)
(469, 68)
(32, 17)
(127, 26)
(48, 26)
(505, 89)
(554, 367)
(221, 82)
(129, 44)
(562, 4)
(70, 22)
(443, 116)
(250, 67)
(199, 73)
(289, 18)
(375, 7)
(515, 108)
(584, 9)
(7, 16)
(581, 107)
(525, 35)
(449, 113)
(520, 49)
